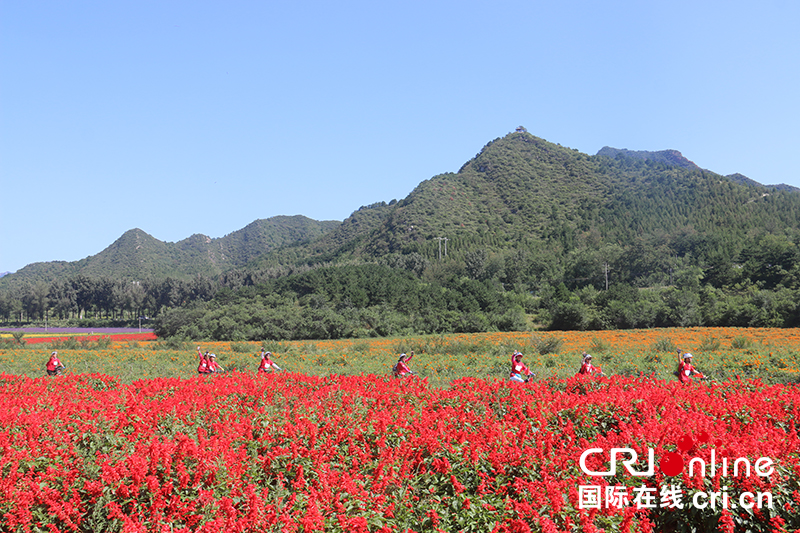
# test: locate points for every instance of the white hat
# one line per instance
(687, 355)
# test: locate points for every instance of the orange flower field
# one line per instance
(770, 354)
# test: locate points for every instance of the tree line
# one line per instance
(84, 298)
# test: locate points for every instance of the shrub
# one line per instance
(11, 343)
(599, 345)
(273, 346)
(665, 344)
(241, 347)
(70, 343)
(176, 343)
(710, 344)
(547, 345)
(103, 343)
(741, 343)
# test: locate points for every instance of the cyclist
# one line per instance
(202, 366)
(54, 365)
(686, 369)
(401, 368)
(519, 372)
(588, 368)
(213, 366)
(267, 362)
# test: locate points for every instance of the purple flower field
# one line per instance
(60, 331)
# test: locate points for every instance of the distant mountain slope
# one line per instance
(676, 159)
(137, 255)
(346, 241)
(522, 191)
(504, 196)
(254, 240)
(671, 157)
(744, 180)
(133, 253)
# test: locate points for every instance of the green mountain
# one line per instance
(744, 180)
(518, 192)
(521, 192)
(525, 233)
(531, 232)
(137, 255)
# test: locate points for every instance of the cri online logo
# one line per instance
(672, 463)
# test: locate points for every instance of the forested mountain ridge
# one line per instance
(510, 194)
(670, 157)
(536, 234)
(675, 158)
(744, 180)
(522, 192)
(515, 189)
(518, 191)
(346, 241)
(137, 255)
(525, 233)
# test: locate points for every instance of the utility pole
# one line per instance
(672, 269)
(445, 239)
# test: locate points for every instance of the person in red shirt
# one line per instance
(588, 368)
(267, 362)
(54, 366)
(213, 366)
(519, 372)
(202, 366)
(686, 370)
(401, 368)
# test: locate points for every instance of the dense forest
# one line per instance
(527, 234)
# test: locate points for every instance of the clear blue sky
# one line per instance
(183, 117)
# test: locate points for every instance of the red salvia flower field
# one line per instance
(298, 453)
